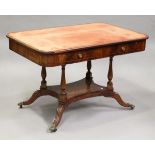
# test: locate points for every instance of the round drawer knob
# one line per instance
(123, 49)
(80, 55)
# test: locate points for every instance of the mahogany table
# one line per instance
(65, 45)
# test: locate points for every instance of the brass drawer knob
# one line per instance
(80, 55)
(123, 49)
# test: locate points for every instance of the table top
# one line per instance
(70, 38)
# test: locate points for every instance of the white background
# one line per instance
(78, 7)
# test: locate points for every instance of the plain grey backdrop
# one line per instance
(94, 118)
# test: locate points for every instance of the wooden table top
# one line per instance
(69, 38)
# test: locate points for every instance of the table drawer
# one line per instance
(50, 60)
(101, 52)
(130, 48)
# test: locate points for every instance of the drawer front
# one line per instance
(96, 53)
(51, 60)
(130, 48)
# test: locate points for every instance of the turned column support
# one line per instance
(89, 74)
(43, 75)
(62, 101)
(63, 86)
(110, 74)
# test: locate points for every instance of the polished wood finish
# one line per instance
(89, 73)
(43, 75)
(63, 81)
(65, 45)
(110, 75)
(51, 60)
(72, 44)
(71, 38)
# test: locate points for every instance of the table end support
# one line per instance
(62, 102)
(89, 73)
(110, 75)
(110, 88)
(43, 75)
(37, 93)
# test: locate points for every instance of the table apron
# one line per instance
(50, 60)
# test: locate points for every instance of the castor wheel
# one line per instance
(131, 106)
(20, 105)
(52, 129)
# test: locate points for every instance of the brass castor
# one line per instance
(52, 129)
(131, 106)
(20, 105)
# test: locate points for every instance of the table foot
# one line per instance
(118, 98)
(131, 106)
(34, 96)
(20, 105)
(52, 129)
(58, 116)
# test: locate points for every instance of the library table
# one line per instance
(59, 46)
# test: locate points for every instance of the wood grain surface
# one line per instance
(64, 39)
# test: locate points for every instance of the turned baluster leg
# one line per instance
(61, 104)
(89, 74)
(111, 93)
(37, 93)
(63, 82)
(43, 75)
(110, 75)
